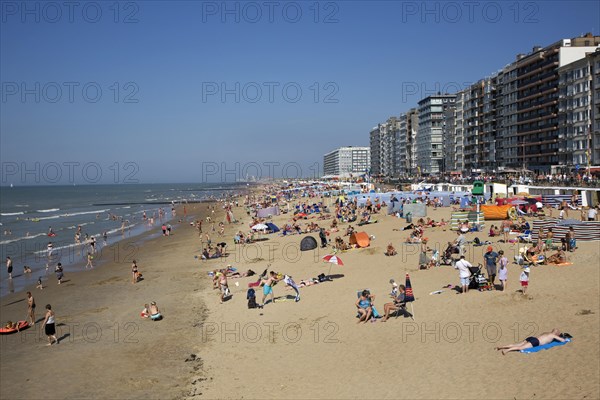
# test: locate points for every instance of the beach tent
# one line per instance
(266, 212)
(272, 227)
(361, 239)
(491, 212)
(417, 210)
(308, 243)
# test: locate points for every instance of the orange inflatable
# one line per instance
(492, 212)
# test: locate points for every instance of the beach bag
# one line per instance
(251, 296)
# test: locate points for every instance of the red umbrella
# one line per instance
(333, 259)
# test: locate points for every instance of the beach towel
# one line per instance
(545, 346)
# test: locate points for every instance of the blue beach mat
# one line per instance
(545, 346)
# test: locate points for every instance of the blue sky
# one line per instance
(161, 76)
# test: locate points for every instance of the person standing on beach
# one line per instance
(31, 308)
(134, 272)
(59, 273)
(89, 260)
(48, 325)
(9, 267)
(503, 272)
(491, 261)
(464, 273)
(267, 283)
(506, 229)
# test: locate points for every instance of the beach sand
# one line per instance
(313, 348)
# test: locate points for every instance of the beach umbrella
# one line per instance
(409, 297)
(259, 227)
(333, 259)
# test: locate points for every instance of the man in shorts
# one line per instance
(532, 341)
(267, 284)
(464, 273)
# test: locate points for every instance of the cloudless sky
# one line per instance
(369, 60)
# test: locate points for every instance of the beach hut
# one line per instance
(308, 243)
(360, 239)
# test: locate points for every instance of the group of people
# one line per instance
(366, 308)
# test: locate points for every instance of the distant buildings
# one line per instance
(347, 160)
(541, 112)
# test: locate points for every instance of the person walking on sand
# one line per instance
(9, 267)
(48, 325)
(267, 284)
(59, 272)
(31, 308)
(89, 261)
(533, 341)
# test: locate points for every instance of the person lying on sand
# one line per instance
(532, 341)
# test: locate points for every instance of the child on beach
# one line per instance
(524, 278)
(503, 272)
(39, 283)
(90, 257)
(145, 312)
(59, 272)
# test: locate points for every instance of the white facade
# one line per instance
(347, 160)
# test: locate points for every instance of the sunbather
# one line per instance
(364, 305)
(397, 304)
(544, 338)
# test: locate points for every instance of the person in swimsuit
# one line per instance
(48, 325)
(31, 308)
(134, 272)
(89, 260)
(9, 267)
(155, 314)
(267, 283)
(223, 285)
(532, 341)
(363, 304)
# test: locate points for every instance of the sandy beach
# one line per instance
(307, 349)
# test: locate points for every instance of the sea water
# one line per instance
(27, 214)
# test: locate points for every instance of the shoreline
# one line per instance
(203, 349)
(98, 323)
